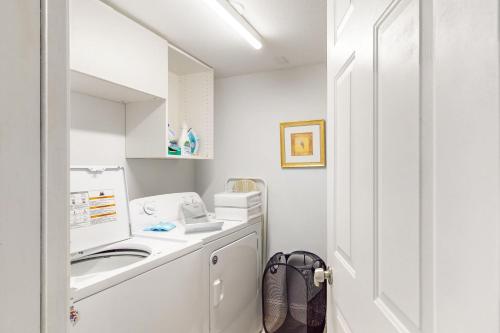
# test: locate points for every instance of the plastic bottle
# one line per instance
(194, 141)
(184, 141)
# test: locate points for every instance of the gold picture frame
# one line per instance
(303, 144)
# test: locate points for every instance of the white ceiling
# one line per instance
(294, 32)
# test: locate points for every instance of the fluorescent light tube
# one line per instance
(236, 21)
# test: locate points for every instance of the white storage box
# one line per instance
(238, 214)
(234, 199)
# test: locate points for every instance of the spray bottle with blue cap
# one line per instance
(188, 141)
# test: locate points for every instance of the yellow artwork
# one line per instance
(302, 144)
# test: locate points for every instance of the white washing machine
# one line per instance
(231, 261)
(121, 283)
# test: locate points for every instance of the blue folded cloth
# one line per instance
(161, 227)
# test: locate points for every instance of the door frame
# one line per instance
(54, 147)
(330, 171)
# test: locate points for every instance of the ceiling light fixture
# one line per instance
(236, 21)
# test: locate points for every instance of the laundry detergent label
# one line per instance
(88, 208)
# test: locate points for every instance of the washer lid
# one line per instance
(98, 207)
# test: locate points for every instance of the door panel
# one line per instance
(397, 164)
(343, 9)
(341, 324)
(466, 139)
(343, 165)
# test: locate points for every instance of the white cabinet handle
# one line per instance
(218, 292)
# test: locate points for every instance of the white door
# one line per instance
(413, 176)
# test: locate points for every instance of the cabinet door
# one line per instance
(234, 283)
(108, 45)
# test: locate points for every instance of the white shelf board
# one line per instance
(93, 86)
(178, 157)
(192, 157)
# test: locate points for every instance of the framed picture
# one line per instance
(302, 144)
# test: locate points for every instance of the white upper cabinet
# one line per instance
(130, 60)
(162, 87)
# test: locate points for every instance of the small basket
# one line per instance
(291, 303)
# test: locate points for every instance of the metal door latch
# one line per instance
(320, 275)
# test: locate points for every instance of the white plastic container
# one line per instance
(240, 200)
(238, 214)
(184, 142)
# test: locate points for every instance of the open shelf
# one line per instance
(176, 157)
(189, 101)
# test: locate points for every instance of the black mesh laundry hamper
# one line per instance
(291, 303)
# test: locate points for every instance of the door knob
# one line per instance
(320, 275)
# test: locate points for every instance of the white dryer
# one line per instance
(121, 283)
(231, 261)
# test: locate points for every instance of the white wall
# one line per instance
(248, 112)
(98, 137)
(20, 208)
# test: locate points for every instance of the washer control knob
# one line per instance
(149, 208)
